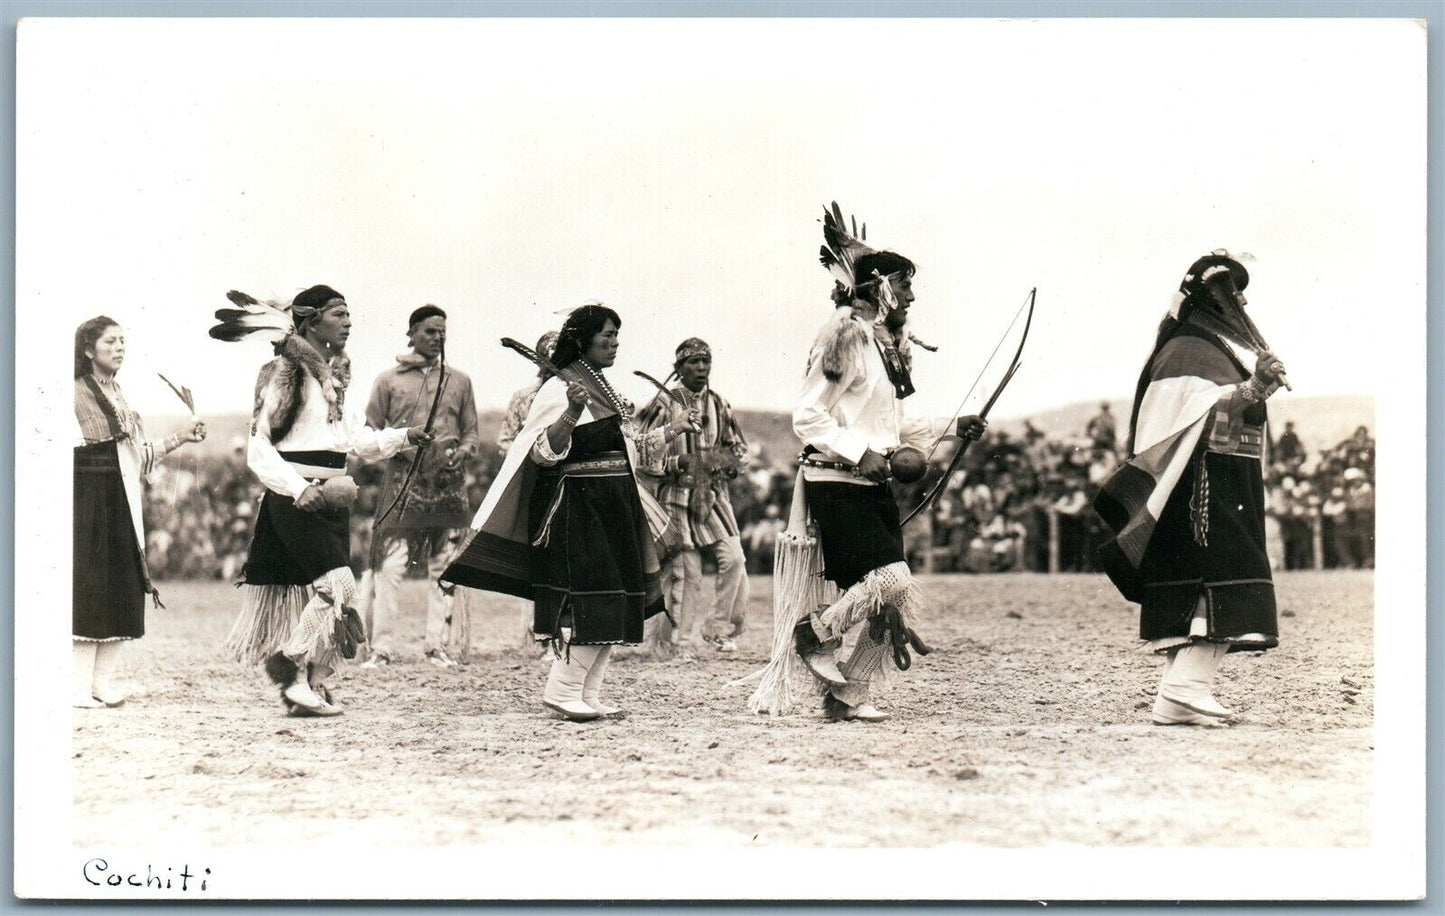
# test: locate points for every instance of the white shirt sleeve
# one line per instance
(547, 407)
(263, 459)
(375, 444)
(813, 421)
(922, 432)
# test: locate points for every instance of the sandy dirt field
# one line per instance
(1027, 727)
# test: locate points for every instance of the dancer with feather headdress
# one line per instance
(302, 431)
(1186, 510)
(844, 525)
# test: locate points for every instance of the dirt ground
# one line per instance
(1027, 727)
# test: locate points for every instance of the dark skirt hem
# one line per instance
(108, 581)
(1236, 644)
(1231, 610)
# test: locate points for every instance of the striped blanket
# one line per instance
(1190, 378)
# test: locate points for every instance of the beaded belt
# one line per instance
(1243, 439)
(813, 461)
(605, 464)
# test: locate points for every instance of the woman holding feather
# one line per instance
(566, 522)
(113, 457)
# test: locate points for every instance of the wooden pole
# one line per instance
(1053, 539)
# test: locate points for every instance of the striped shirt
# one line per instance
(697, 503)
(94, 426)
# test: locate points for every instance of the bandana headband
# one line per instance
(691, 349)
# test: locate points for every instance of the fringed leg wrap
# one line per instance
(313, 637)
(268, 615)
(891, 585)
(893, 601)
(659, 639)
(798, 589)
(887, 585)
(864, 670)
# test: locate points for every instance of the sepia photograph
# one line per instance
(720, 459)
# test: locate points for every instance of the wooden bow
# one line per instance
(399, 503)
(942, 482)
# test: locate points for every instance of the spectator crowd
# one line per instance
(1019, 502)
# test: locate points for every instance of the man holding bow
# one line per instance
(426, 524)
(851, 417)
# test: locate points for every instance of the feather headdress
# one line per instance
(269, 320)
(844, 242)
(842, 248)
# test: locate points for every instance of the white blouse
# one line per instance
(313, 431)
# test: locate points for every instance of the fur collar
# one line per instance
(847, 331)
(283, 376)
(410, 360)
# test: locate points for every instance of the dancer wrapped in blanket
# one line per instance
(566, 522)
(1186, 510)
(302, 431)
(851, 417)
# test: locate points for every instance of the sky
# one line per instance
(508, 170)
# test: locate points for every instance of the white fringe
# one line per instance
(268, 615)
(798, 589)
(657, 641)
(459, 634)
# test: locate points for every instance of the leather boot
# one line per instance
(839, 711)
(1167, 713)
(818, 655)
(563, 693)
(82, 660)
(592, 685)
(316, 676)
(1190, 679)
(299, 695)
(102, 684)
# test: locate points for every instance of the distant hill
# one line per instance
(1321, 421)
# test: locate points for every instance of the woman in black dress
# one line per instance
(566, 522)
(109, 579)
